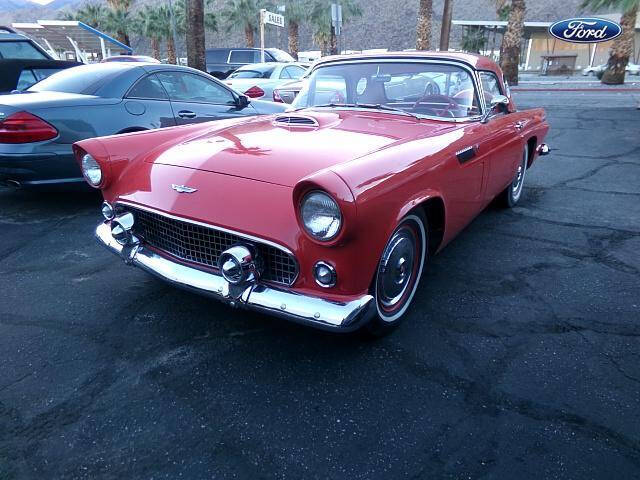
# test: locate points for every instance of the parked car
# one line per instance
(259, 80)
(23, 62)
(631, 69)
(130, 58)
(18, 75)
(221, 62)
(326, 215)
(37, 127)
(17, 46)
(287, 92)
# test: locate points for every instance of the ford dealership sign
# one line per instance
(585, 30)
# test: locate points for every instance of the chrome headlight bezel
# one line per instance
(91, 170)
(332, 213)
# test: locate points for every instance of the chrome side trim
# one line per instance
(305, 309)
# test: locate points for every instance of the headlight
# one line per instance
(91, 170)
(320, 215)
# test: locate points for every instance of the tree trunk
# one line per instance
(155, 48)
(195, 35)
(510, 48)
(248, 35)
(445, 31)
(622, 49)
(123, 37)
(423, 41)
(171, 50)
(293, 39)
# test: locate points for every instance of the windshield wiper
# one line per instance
(378, 106)
(373, 106)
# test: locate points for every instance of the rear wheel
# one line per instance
(512, 194)
(398, 273)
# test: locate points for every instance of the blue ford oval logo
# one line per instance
(585, 30)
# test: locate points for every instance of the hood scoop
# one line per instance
(295, 121)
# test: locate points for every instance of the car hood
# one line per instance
(267, 150)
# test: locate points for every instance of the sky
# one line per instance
(42, 2)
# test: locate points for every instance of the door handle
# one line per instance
(186, 114)
(519, 125)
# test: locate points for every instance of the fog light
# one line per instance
(107, 211)
(324, 274)
(121, 228)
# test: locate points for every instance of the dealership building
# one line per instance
(540, 50)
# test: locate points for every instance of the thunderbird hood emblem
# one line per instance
(183, 188)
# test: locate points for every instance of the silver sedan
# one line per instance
(258, 80)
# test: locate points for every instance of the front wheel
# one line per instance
(398, 273)
(512, 194)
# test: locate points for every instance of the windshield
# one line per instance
(84, 79)
(420, 88)
(280, 55)
(253, 72)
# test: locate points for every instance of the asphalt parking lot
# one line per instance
(520, 357)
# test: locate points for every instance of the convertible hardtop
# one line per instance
(474, 61)
(12, 68)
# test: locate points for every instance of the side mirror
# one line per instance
(496, 101)
(242, 101)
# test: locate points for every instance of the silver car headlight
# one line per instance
(320, 215)
(91, 170)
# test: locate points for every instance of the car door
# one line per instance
(501, 141)
(196, 98)
(147, 104)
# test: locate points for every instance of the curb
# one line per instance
(619, 90)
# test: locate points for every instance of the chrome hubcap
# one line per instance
(396, 267)
(518, 182)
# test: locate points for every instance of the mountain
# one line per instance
(385, 23)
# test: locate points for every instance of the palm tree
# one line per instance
(622, 47)
(323, 33)
(296, 12)
(195, 34)
(473, 39)
(93, 14)
(510, 48)
(243, 13)
(120, 21)
(425, 12)
(166, 29)
(148, 24)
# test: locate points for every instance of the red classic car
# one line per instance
(328, 213)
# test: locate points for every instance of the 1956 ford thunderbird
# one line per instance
(326, 214)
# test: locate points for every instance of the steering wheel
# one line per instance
(451, 104)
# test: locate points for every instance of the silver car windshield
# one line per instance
(430, 89)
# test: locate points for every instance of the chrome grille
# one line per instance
(203, 245)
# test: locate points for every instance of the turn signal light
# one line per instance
(254, 92)
(23, 127)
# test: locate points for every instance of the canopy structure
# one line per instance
(538, 45)
(61, 36)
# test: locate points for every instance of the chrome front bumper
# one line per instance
(314, 311)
